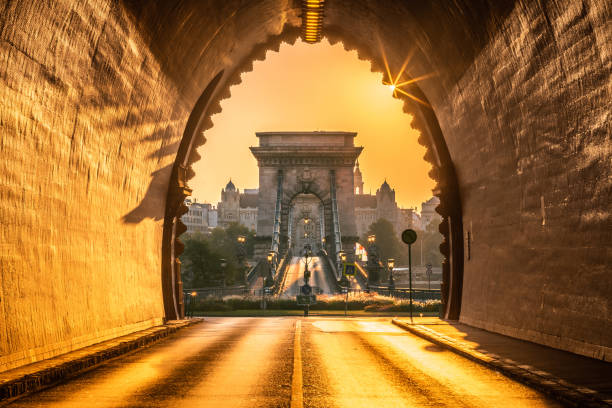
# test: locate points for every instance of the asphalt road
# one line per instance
(295, 276)
(290, 362)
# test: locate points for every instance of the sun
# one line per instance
(395, 85)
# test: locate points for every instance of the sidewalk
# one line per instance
(37, 376)
(572, 379)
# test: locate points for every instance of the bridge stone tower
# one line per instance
(295, 163)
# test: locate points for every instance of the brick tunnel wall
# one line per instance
(95, 100)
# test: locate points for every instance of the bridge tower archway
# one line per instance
(306, 223)
(314, 163)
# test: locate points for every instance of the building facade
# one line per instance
(242, 208)
(238, 207)
(369, 208)
(200, 217)
(428, 212)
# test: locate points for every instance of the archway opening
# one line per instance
(306, 223)
(386, 146)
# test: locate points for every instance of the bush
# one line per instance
(404, 306)
(370, 302)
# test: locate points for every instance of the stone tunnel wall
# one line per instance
(528, 126)
(94, 102)
(92, 110)
(522, 96)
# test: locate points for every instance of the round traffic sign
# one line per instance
(409, 236)
(306, 289)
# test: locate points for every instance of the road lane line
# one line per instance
(296, 383)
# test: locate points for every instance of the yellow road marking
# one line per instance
(296, 385)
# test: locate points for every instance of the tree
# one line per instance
(201, 265)
(387, 241)
(203, 254)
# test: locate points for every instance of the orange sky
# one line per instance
(314, 87)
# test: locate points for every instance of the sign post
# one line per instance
(345, 291)
(409, 237)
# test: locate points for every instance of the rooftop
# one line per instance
(316, 138)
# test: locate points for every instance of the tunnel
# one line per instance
(105, 102)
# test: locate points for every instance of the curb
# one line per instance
(24, 380)
(566, 393)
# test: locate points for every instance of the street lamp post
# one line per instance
(307, 254)
(241, 254)
(347, 287)
(390, 265)
(339, 266)
(272, 266)
(266, 280)
(223, 264)
(372, 261)
(306, 288)
(192, 302)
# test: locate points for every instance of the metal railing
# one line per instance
(277, 214)
(335, 219)
(253, 273)
(281, 273)
(220, 292)
(361, 275)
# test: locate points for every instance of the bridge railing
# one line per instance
(217, 291)
(361, 274)
(281, 274)
(253, 273)
(220, 292)
(329, 267)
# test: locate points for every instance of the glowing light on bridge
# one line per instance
(312, 20)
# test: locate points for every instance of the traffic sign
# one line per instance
(348, 269)
(306, 289)
(409, 236)
(306, 300)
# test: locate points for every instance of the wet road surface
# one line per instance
(290, 362)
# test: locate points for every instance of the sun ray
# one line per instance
(412, 97)
(384, 55)
(417, 79)
(404, 65)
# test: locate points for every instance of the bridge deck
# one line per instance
(295, 276)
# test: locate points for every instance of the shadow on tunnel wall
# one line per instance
(150, 206)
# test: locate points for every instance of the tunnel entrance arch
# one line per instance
(425, 120)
